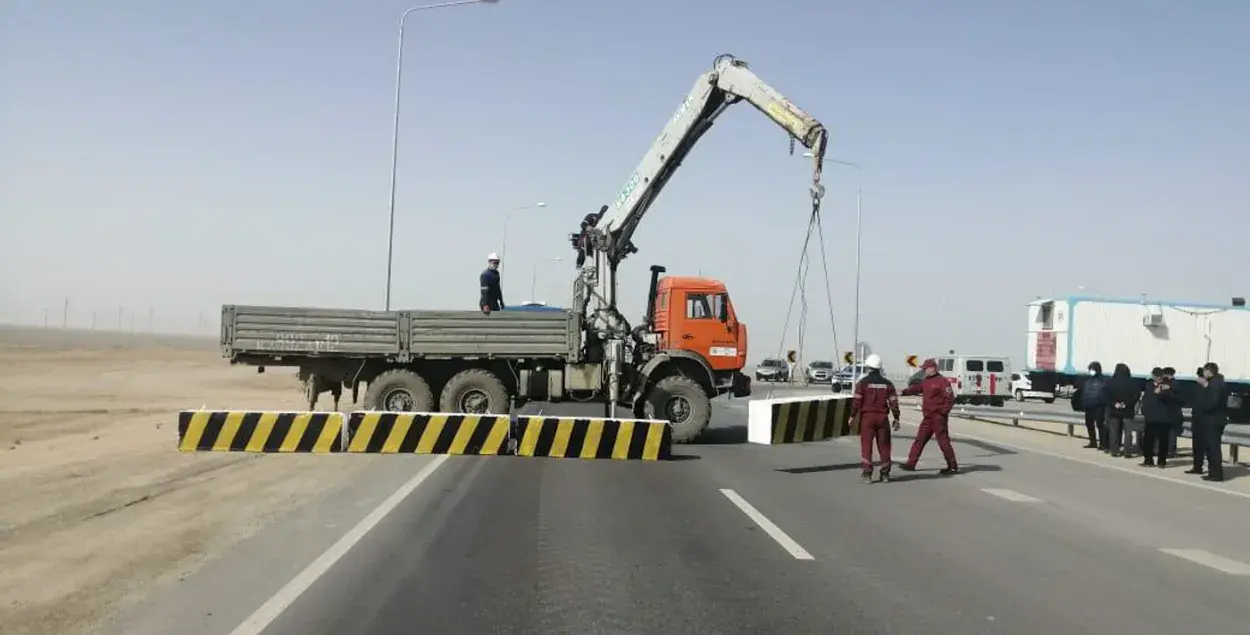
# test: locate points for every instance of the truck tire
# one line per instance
(682, 402)
(474, 391)
(399, 391)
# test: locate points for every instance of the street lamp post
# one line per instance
(859, 226)
(534, 277)
(503, 250)
(399, 76)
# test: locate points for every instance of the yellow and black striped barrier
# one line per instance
(259, 431)
(593, 438)
(799, 419)
(427, 433)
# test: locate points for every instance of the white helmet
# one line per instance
(492, 256)
(873, 361)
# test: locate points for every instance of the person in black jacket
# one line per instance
(1093, 403)
(1157, 411)
(1122, 394)
(1175, 412)
(1210, 417)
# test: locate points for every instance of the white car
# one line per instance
(1022, 389)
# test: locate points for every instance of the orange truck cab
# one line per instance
(695, 316)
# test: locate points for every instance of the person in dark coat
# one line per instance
(1157, 411)
(1122, 394)
(1210, 417)
(491, 291)
(1094, 404)
(1175, 410)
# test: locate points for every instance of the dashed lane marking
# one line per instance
(256, 623)
(786, 542)
(1211, 560)
(1011, 495)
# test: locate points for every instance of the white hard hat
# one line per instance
(492, 256)
(873, 362)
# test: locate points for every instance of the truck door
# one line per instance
(707, 327)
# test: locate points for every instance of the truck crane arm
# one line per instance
(728, 82)
(609, 233)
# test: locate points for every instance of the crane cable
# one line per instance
(814, 225)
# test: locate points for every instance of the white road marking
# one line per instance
(1011, 495)
(270, 610)
(1208, 559)
(786, 542)
(1127, 470)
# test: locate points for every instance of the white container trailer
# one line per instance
(1066, 334)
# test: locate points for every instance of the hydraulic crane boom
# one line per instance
(728, 82)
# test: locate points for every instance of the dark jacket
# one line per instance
(875, 396)
(937, 396)
(1209, 407)
(1122, 388)
(1164, 407)
(1094, 390)
(492, 294)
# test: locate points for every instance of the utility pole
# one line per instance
(93, 319)
(65, 315)
(119, 319)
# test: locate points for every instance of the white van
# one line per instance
(978, 379)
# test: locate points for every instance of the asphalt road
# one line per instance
(734, 539)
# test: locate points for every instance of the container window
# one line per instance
(974, 366)
(995, 366)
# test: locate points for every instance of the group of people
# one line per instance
(1110, 407)
(874, 405)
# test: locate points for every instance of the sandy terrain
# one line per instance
(96, 505)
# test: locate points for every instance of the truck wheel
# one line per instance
(474, 391)
(682, 402)
(399, 391)
(1019, 395)
(1048, 400)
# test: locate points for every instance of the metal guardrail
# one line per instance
(1235, 438)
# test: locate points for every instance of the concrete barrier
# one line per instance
(799, 419)
(372, 432)
(260, 431)
(593, 438)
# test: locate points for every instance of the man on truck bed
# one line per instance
(492, 293)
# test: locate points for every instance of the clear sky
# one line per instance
(181, 155)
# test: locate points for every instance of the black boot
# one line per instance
(950, 470)
(866, 476)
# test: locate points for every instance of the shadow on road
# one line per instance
(921, 475)
(684, 457)
(726, 435)
(833, 467)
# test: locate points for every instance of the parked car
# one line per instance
(1022, 389)
(819, 372)
(844, 378)
(772, 369)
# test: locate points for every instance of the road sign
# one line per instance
(912, 361)
(792, 356)
(849, 357)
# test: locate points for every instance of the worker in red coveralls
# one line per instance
(874, 402)
(937, 399)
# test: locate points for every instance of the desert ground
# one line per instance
(97, 507)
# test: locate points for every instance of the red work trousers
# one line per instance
(933, 425)
(874, 427)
